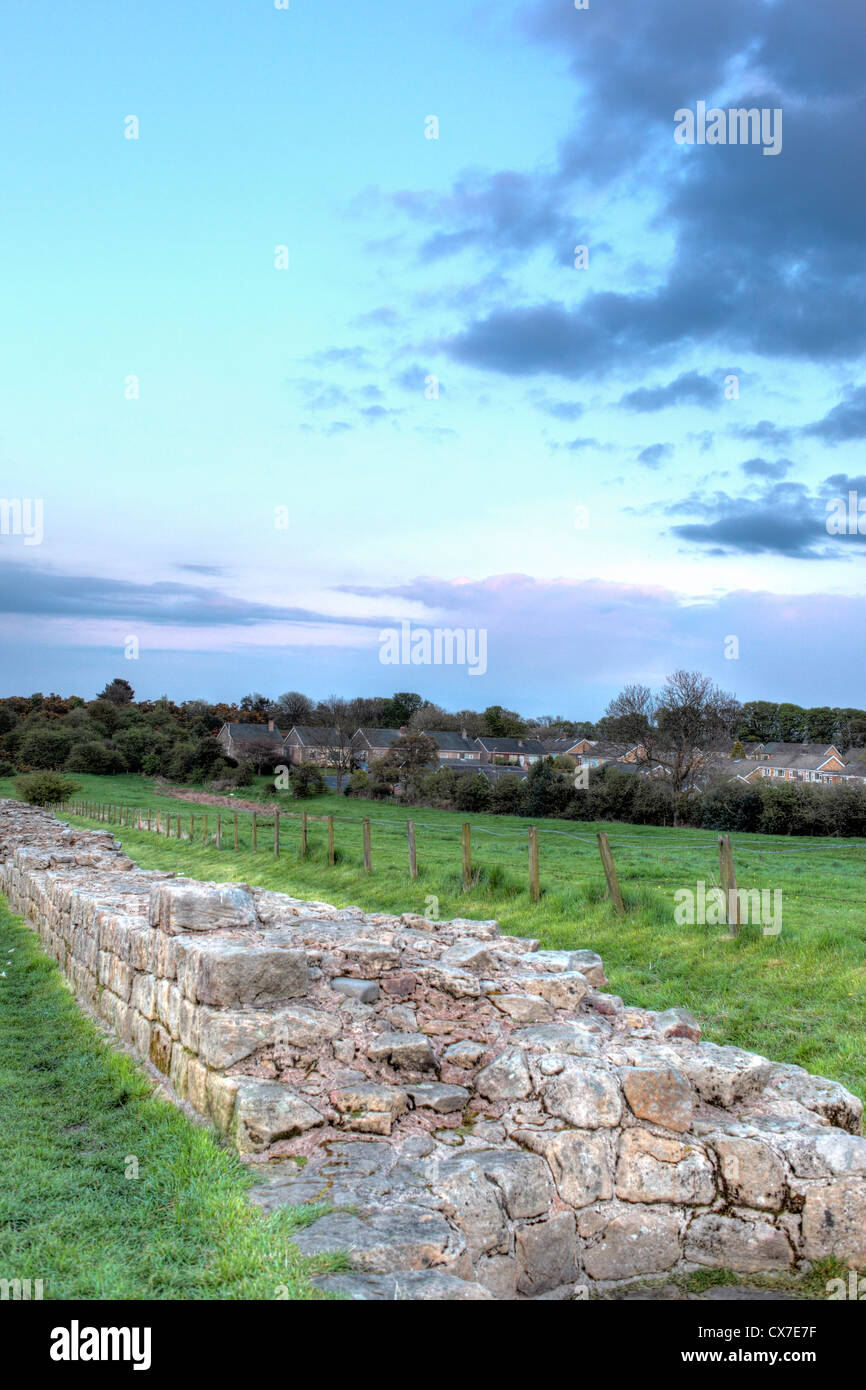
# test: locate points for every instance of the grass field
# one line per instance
(77, 1120)
(799, 996)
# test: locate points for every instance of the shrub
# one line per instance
(98, 758)
(306, 780)
(473, 793)
(44, 747)
(45, 788)
(508, 796)
(6, 769)
(359, 783)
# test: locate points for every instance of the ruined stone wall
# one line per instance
(497, 1123)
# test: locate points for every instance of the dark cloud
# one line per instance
(845, 421)
(765, 432)
(654, 455)
(689, 388)
(784, 518)
(764, 468)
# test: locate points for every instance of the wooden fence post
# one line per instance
(368, 864)
(303, 834)
(466, 836)
(331, 853)
(191, 827)
(177, 826)
(534, 882)
(204, 832)
(729, 885)
(255, 832)
(610, 873)
(413, 858)
(148, 817)
(276, 832)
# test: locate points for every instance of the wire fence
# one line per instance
(264, 831)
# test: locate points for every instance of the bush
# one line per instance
(508, 796)
(44, 747)
(358, 784)
(306, 780)
(6, 769)
(473, 793)
(45, 788)
(98, 758)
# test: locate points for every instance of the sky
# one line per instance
(298, 347)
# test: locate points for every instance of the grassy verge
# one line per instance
(77, 1122)
(799, 996)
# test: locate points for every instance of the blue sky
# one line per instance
(599, 389)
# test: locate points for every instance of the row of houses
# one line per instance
(805, 762)
(788, 762)
(323, 746)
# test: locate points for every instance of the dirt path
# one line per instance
(211, 799)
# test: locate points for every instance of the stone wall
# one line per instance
(498, 1124)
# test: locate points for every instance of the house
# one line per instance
(601, 751)
(766, 751)
(312, 743)
(371, 745)
(571, 747)
(454, 747)
(251, 743)
(799, 762)
(519, 752)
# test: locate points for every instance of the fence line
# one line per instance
(134, 818)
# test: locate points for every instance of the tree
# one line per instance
(413, 755)
(694, 719)
(400, 708)
(340, 715)
(294, 708)
(45, 788)
(44, 747)
(117, 692)
(629, 715)
(503, 723)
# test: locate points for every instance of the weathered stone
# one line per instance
(266, 1111)
(639, 1242)
(522, 1008)
(406, 1238)
(678, 1023)
(730, 1243)
(183, 905)
(725, 1075)
(826, 1098)
(468, 954)
(460, 984)
(371, 956)
(661, 1095)
(368, 1108)
(365, 990)
(546, 1254)
(577, 1039)
(753, 1175)
(473, 1204)
(586, 1096)
(465, 1054)
(223, 973)
(436, 1096)
(562, 990)
(506, 1078)
(834, 1222)
(411, 1051)
(228, 1036)
(522, 1179)
(580, 1160)
(652, 1169)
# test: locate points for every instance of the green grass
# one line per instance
(75, 1117)
(797, 997)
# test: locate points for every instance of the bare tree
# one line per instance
(341, 716)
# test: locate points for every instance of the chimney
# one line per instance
(464, 733)
(270, 726)
(403, 732)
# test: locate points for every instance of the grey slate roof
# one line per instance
(511, 745)
(315, 736)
